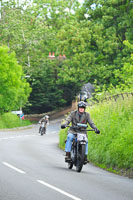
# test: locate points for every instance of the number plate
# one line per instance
(81, 137)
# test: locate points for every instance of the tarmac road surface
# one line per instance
(32, 167)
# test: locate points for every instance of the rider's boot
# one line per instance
(67, 157)
(86, 160)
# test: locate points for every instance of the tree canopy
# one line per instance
(91, 36)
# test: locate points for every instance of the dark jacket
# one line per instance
(75, 118)
(43, 120)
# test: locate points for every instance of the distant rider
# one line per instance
(44, 120)
(77, 116)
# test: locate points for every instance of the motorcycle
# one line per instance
(77, 156)
(42, 128)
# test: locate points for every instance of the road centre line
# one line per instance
(58, 190)
(12, 167)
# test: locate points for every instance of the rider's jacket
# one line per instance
(43, 120)
(75, 117)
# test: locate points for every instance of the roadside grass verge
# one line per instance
(113, 148)
(9, 120)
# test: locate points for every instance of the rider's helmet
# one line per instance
(46, 117)
(81, 104)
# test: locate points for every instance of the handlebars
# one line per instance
(79, 128)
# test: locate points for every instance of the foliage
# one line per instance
(125, 75)
(93, 46)
(62, 138)
(14, 90)
(34, 39)
(113, 147)
(24, 33)
(9, 120)
(46, 94)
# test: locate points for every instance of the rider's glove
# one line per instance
(97, 131)
(63, 126)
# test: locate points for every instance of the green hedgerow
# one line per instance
(9, 120)
(114, 147)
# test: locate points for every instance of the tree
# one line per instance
(94, 46)
(126, 73)
(49, 92)
(14, 90)
(111, 24)
(31, 32)
(23, 33)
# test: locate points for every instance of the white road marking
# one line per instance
(18, 170)
(58, 190)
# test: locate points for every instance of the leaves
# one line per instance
(93, 46)
(14, 90)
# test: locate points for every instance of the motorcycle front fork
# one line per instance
(77, 153)
(73, 152)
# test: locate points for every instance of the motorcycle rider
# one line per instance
(44, 120)
(77, 116)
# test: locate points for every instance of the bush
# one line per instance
(9, 120)
(114, 146)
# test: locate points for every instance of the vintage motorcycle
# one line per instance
(43, 124)
(78, 147)
(42, 129)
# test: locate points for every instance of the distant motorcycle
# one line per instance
(78, 147)
(43, 124)
(42, 128)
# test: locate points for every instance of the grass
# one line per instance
(9, 120)
(113, 148)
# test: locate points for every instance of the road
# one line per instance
(32, 167)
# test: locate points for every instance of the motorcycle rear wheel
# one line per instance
(70, 164)
(80, 158)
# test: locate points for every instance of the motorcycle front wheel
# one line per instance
(44, 130)
(70, 165)
(41, 131)
(80, 158)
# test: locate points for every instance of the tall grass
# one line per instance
(9, 120)
(62, 138)
(114, 147)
